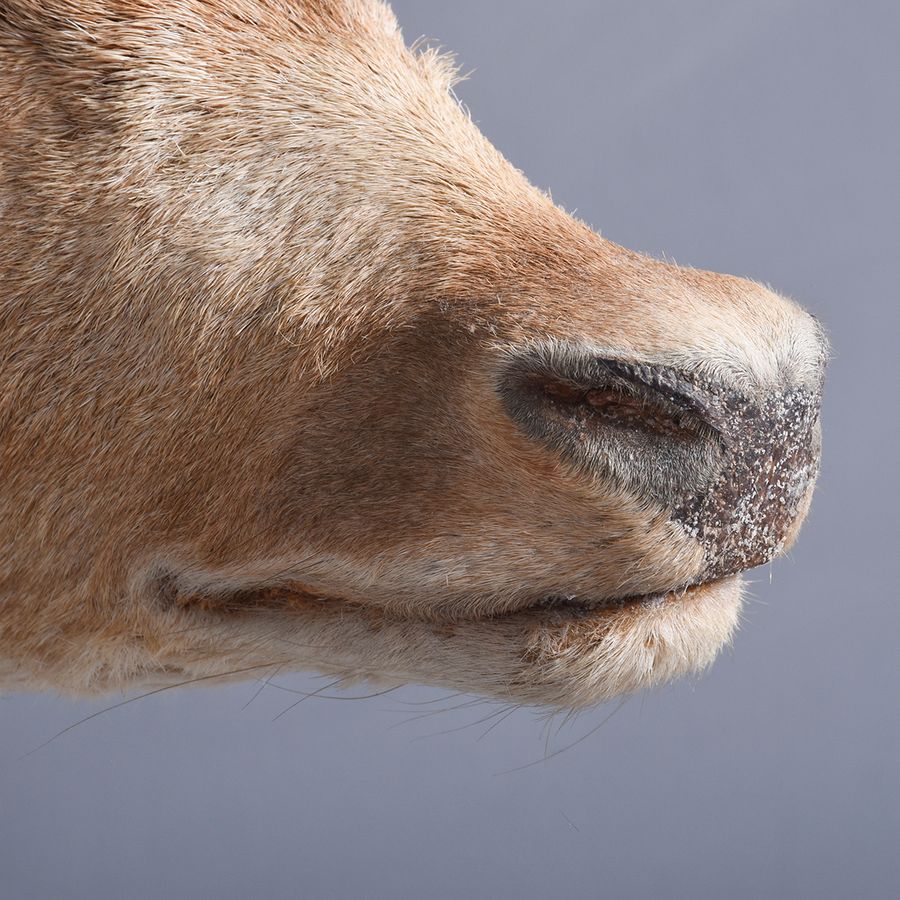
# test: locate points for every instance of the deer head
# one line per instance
(299, 372)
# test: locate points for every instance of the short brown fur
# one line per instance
(258, 275)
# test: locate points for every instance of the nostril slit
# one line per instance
(645, 427)
(636, 407)
(564, 392)
(593, 392)
(629, 411)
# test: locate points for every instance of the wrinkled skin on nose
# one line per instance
(771, 460)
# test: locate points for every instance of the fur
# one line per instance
(260, 272)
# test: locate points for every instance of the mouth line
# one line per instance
(581, 605)
(297, 598)
(560, 652)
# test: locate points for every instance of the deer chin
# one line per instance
(557, 653)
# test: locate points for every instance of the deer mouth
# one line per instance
(579, 607)
(559, 653)
(298, 598)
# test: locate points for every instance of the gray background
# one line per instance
(757, 138)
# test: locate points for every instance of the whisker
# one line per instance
(306, 696)
(142, 696)
(452, 696)
(262, 686)
(480, 721)
(502, 718)
(321, 696)
(478, 701)
(584, 737)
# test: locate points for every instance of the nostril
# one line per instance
(659, 414)
(564, 392)
(641, 426)
(631, 396)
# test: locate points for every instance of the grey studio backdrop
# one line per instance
(761, 139)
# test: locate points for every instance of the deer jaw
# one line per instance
(300, 372)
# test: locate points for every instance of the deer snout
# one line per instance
(754, 507)
(732, 463)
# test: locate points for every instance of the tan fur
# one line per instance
(259, 273)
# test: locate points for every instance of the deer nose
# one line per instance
(751, 510)
(733, 466)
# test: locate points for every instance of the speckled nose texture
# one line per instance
(733, 466)
(771, 460)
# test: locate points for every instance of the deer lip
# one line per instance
(298, 598)
(557, 653)
(580, 606)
